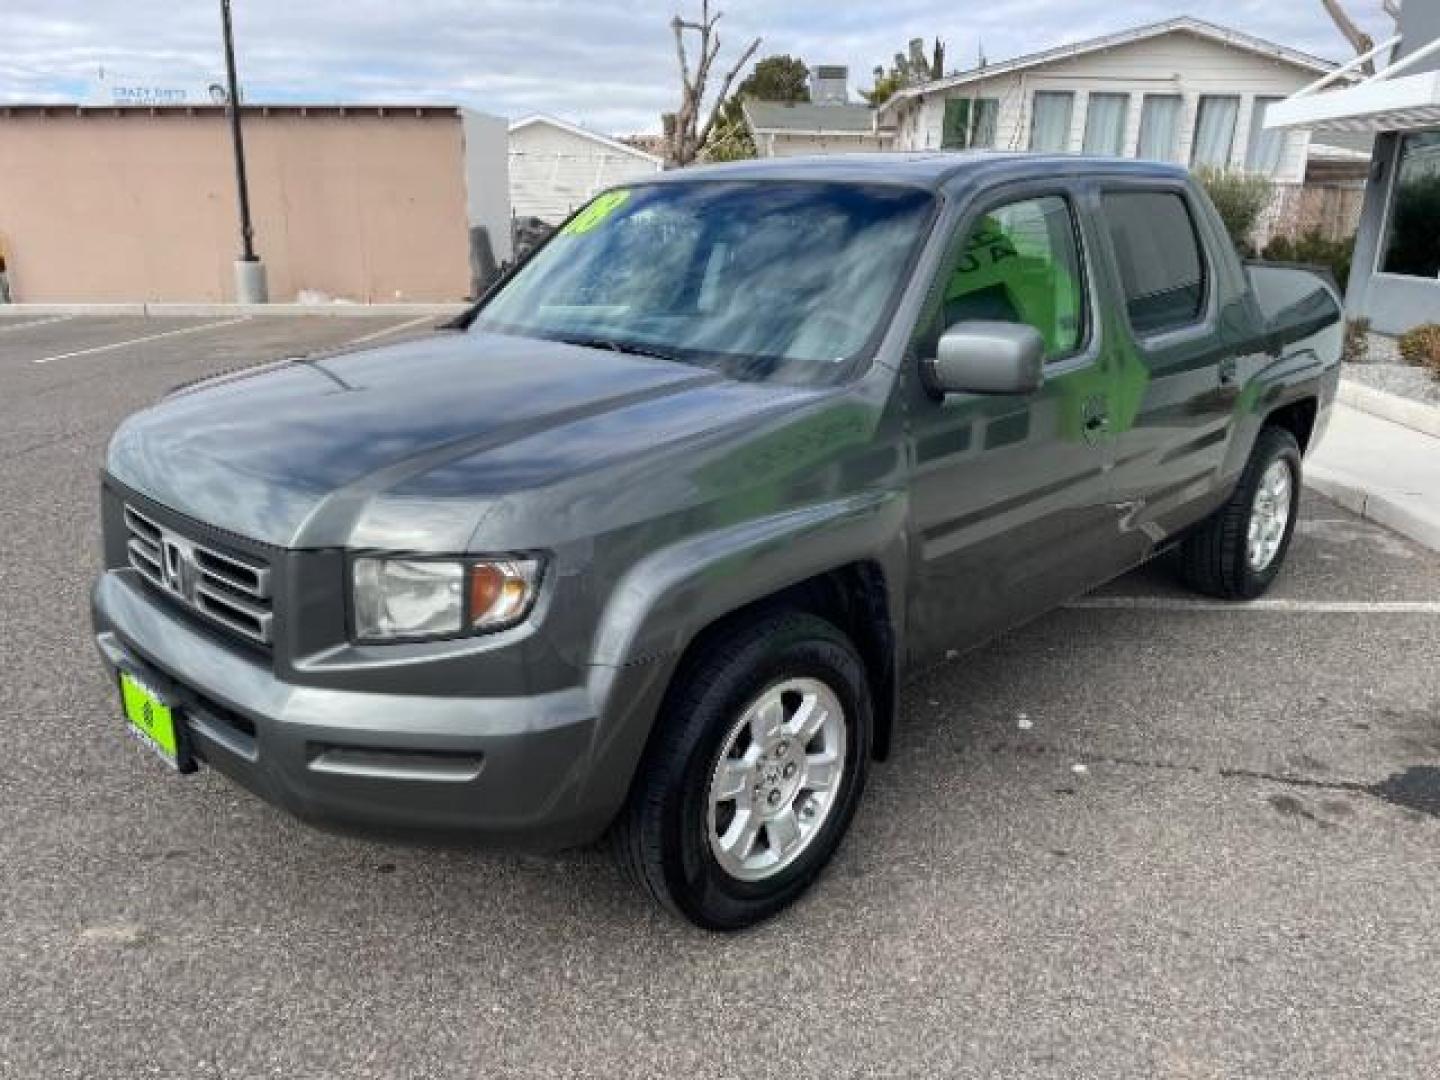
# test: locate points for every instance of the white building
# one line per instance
(1395, 275)
(827, 124)
(556, 167)
(1182, 90)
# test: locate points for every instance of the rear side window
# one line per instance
(1161, 268)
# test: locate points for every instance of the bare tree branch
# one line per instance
(725, 90)
(679, 28)
(1392, 8)
(1360, 41)
(684, 136)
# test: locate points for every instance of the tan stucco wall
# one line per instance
(100, 207)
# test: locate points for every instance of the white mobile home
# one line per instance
(556, 167)
(1182, 90)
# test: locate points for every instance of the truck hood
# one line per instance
(300, 453)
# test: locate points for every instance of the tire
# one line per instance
(1218, 558)
(668, 836)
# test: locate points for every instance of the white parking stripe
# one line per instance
(1317, 607)
(8, 326)
(388, 331)
(141, 340)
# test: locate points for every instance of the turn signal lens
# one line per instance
(501, 592)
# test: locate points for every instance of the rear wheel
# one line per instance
(753, 774)
(1237, 552)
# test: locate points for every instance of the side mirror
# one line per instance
(984, 357)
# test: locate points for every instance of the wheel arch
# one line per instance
(855, 598)
(1297, 417)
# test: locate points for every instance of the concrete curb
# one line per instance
(220, 311)
(1404, 411)
(1422, 526)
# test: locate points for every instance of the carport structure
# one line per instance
(1395, 276)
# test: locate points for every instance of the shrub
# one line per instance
(1313, 249)
(1240, 198)
(1422, 346)
(1356, 348)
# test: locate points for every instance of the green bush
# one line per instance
(1313, 249)
(1240, 198)
(1356, 348)
(1422, 346)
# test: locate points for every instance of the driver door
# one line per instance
(1011, 499)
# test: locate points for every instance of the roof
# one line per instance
(1184, 24)
(584, 133)
(929, 169)
(797, 116)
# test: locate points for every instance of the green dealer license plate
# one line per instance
(155, 723)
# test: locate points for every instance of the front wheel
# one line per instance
(1237, 552)
(753, 773)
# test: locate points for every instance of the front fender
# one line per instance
(671, 595)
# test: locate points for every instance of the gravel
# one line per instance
(1383, 370)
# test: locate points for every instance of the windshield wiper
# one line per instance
(629, 348)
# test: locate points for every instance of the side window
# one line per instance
(1021, 263)
(1158, 251)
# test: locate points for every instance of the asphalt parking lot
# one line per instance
(1142, 837)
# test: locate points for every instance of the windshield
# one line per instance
(764, 280)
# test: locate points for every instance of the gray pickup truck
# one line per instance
(642, 546)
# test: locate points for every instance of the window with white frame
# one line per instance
(1266, 152)
(984, 123)
(1159, 127)
(969, 123)
(1214, 131)
(1050, 120)
(1105, 117)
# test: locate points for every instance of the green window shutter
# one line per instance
(955, 133)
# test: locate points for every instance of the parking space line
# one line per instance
(1319, 607)
(7, 327)
(140, 340)
(388, 331)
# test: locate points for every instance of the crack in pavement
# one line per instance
(1416, 789)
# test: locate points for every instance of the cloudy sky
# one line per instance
(609, 64)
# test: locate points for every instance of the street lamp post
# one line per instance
(249, 270)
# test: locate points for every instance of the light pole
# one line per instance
(249, 270)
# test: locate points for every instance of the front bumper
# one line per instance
(511, 771)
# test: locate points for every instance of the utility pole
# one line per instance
(249, 270)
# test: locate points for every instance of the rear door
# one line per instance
(1184, 339)
(1010, 497)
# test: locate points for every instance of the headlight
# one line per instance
(435, 598)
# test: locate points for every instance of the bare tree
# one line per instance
(1360, 41)
(684, 134)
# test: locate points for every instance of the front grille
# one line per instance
(225, 588)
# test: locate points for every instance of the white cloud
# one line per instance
(610, 65)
